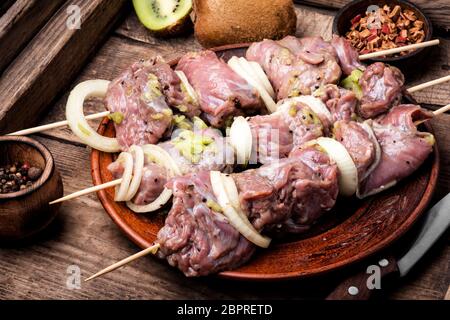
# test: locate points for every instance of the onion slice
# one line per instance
(234, 218)
(241, 139)
(137, 171)
(348, 174)
(161, 157)
(77, 121)
(244, 70)
(262, 77)
(189, 89)
(251, 71)
(122, 189)
(316, 105)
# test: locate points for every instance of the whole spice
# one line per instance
(18, 176)
(385, 28)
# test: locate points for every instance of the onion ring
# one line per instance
(77, 121)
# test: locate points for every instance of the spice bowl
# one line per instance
(343, 22)
(25, 212)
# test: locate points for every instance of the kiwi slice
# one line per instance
(164, 17)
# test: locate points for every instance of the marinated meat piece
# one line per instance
(342, 103)
(272, 137)
(222, 93)
(382, 87)
(176, 95)
(316, 189)
(137, 98)
(291, 194)
(276, 60)
(358, 143)
(296, 66)
(204, 149)
(154, 177)
(302, 121)
(348, 56)
(403, 147)
(293, 124)
(195, 238)
(312, 50)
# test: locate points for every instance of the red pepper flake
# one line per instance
(400, 39)
(372, 37)
(356, 19)
(374, 31)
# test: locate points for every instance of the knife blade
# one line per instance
(436, 222)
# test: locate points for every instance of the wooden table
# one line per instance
(84, 236)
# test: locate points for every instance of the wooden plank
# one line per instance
(22, 21)
(51, 60)
(437, 10)
(5, 5)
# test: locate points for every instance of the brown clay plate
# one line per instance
(352, 231)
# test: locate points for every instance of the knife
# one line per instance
(435, 224)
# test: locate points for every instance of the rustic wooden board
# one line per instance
(51, 60)
(85, 236)
(437, 10)
(23, 20)
(5, 5)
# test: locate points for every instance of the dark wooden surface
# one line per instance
(24, 19)
(83, 234)
(52, 59)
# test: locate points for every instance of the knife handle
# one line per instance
(356, 286)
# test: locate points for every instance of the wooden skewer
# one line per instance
(88, 190)
(105, 113)
(429, 84)
(399, 49)
(55, 125)
(441, 110)
(151, 250)
(119, 181)
(361, 57)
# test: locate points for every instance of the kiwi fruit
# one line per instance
(221, 22)
(165, 18)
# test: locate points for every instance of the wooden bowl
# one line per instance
(26, 212)
(353, 231)
(342, 24)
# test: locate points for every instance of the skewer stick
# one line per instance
(88, 190)
(441, 110)
(105, 113)
(399, 49)
(429, 84)
(55, 125)
(151, 250)
(119, 181)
